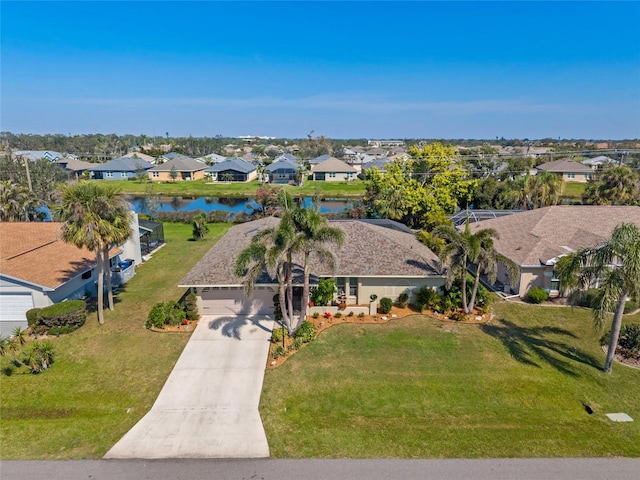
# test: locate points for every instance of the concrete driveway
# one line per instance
(208, 408)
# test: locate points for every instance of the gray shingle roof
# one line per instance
(122, 164)
(285, 163)
(319, 159)
(371, 249)
(332, 164)
(180, 164)
(233, 163)
(564, 165)
(536, 236)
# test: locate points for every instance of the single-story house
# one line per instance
(74, 167)
(35, 155)
(536, 239)
(599, 161)
(379, 163)
(214, 158)
(569, 170)
(122, 168)
(333, 170)
(232, 169)
(320, 159)
(380, 257)
(38, 269)
(282, 170)
(184, 168)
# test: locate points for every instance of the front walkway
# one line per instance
(208, 408)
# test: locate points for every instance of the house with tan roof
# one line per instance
(536, 239)
(569, 170)
(38, 269)
(333, 170)
(178, 169)
(380, 257)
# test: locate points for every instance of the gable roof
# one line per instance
(233, 163)
(34, 155)
(122, 164)
(379, 163)
(319, 159)
(74, 165)
(34, 252)
(284, 163)
(366, 253)
(180, 164)
(332, 164)
(564, 165)
(536, 237)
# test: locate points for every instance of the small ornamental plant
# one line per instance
(327, 315)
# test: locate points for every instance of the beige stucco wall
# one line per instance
(390, 287)
(166, 176)
(340, 177)
(582, 177)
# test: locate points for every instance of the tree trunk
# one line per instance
(474, 292)
(100, 265)
(305, 286)
(281, 294)
(615, 333)
(107, 270)
(289, 280)
(463, 287)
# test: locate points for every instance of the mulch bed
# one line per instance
(189, 327)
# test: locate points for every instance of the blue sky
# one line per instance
(342, 69)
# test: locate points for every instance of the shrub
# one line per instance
(156, 316)
(427, 298)
(63, 317)
(296, 344)
(338, 315)
(278, 352)
(537, 295)
(174, 314)
(277, 335)
(373, 297)
(350, 314)
(630, 306)
(316, 315)
(629, 339)
(191, 307)
(306, 332)
(457, 316)
(403, 299)
(385, 305)
(324, 292)
(589, 298)
(361, 315)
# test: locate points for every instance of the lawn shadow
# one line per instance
(231, 325)
(532, 346)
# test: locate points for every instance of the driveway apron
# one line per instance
(208, 408)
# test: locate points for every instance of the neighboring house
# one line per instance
(376, 152)
(320, 159)
(536, 239)
(184, 168)
(569, 170)
(333, 170)
(232, 169)
(599, 161)
(283, 170)
(214, 158)
(379, 163)
(378, 257)
(38, 269)
(35, 155)
(122, 168)
(75, 167)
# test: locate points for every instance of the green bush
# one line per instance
(278, 352)
(316, 315)
(324, 292)
(306, 332)
(296, 344)
(403, 299)
(589, 298)
(630, 306)
(191, 307)
(156, 316)
(338, 315)
(385, 305)
(63, 317)
(427, 298)
(457, 316)
(277, 335)
(537, 295)
(174, 313)
(361, 315)
(350, 314)
(629, 339)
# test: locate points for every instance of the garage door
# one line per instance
(234, 301)
(13, 309)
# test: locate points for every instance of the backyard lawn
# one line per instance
(198, 188)
(418, 388)
(104, 378)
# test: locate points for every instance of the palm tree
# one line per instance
(614, 186)
(459, 249)
(94, 217)
(313, 233)
(545, 189)
(615, 266)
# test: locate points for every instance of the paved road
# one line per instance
(264, 469)
(208, 408)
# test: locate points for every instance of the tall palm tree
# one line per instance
(545, 189)
(313, 233)
(614, 186)
(460, 249)
(94, 217)
(615, 266)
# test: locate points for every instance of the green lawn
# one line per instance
(574, 190)
(199, 188)
(104, 378)
(418, 388)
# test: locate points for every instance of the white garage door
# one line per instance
(13, 309)
(234, 301)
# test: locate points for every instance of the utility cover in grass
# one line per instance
(619, 417)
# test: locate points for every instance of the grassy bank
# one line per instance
(104, 378)
(418, 388)
(199, 188)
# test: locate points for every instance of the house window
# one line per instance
(124, 174)
(341, 284)
(555, 283)
(332, 174)
(353, 287)
(571, 175)
(587, 176)
(156, 174)
(109, 174)
(86, 275)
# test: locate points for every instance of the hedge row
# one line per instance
(63, 317)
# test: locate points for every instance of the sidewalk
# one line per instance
(208, 408)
